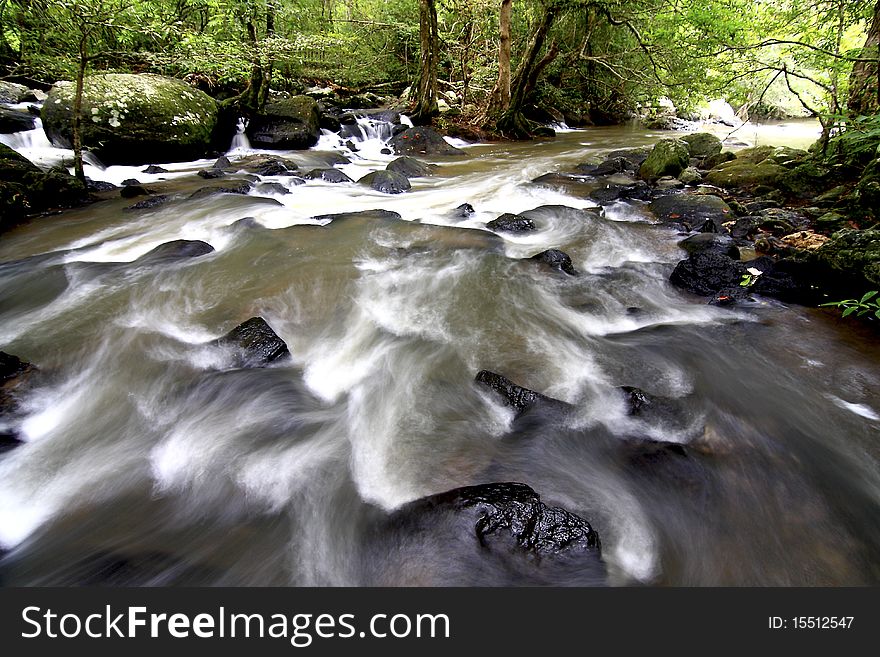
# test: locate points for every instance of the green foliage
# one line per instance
(869, 303)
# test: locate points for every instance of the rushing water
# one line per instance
(150, 459)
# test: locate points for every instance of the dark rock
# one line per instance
(149, 202)
(386, 151)
(327, 175)
(153, 169)
(543, 132)
(512, 223)
(255, 343)
(272, 188)
(15, 121)
(175, 250)
(387, 182)
(635, 155)
(691, 210)
(350, 145)
(854, 254)
(557, 260)
(289, 124)
(222, 163)
(411, 167)
(130, 181)
(268, 165)
(8, 441)
(16, 376)
(521, 399)
(99, 185)
(242, 188)
(421, 140)
(710, 243)
(720, 158)
(134, 190)
(790, 281)
(499, 512)
(373, 215)
(211, 174)
(636, 399)
(464, 210)
(609, 194)
(707, 273)
(613, 165)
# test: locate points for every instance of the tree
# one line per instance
(864, 81)
(429, 59)
(500, 99)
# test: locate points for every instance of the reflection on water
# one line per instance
(150, 459)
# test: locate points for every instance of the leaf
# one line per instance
(868, 295)
(849, 311)
(877, 313)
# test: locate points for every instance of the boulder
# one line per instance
(463, 211)
(129, 119)
(669, 157)
(289, 124)
(175, 250)
(511, 223)
(790, 281)
(327, 175)
(720, 158)
(26, 189)
(15, 121)
(691, 210)
(242, 188)
(12, 93)
(742, 174)
(556, 259)
(211, 174)
(153, 169)
(148, 203)
(254, 343)
(272, 188)
(371, 215)
(708, 273)
(521, 399)
(855, 254)
(411, 167)
(636, 156)
(16, 376)
(710, 242)
(422, 141)
(267, 165)
(702, 144)
(690, 176)
(387, 182)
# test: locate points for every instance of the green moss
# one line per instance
(855, 253)
(669, 157)
(745, 174)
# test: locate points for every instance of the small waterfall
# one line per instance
(28, 139)
(240, 142)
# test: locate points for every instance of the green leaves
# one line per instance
(868, 304)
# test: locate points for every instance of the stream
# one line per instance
(149, 458)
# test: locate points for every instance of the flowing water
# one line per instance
(149, 458)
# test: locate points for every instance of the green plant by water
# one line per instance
(867, 304)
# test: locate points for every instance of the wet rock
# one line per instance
(242, 188)
(424, 141)
(131, 118)
(855, 254)
(668, 182)
(669, 157)
(149, 203)
(805, 240)
(16, 376)
(327, 175)
(12, 92)
(707, 273)
(710, 243)
(15, 121)
(702, 144)
(743, 174)
(175, 250)
(272, 188)
(788, 280)
(211, 174)
(512, 223)
(99, 185)
(130, 182)
(636, 156)
(714, 160)
(153, 169)
(463, 211)
(613, 165)
(690, 176)
(521, 399)
(288, 124)
(557, 260)
(373, 215)
(222, 162)
(411, 167)
(133, 191)
(268, 165)
(386, 182)
(691, 210)
(255, 343)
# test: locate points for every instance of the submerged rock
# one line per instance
(289, 124)
(15, 375)
(176, 250)
(131, 118)
(557, 260)
(710, 242)
(255, 343)
(149, 203)
(387, 182)
(424, 141)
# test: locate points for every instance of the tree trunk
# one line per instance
(426, 91)
(864, 81)
(512, 123)
(78, 168)
(500, 100)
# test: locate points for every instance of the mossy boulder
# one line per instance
(854, 253)
(289, 124)
(805, 179)
(131, 119)
(669, 157)
(26, 189)
(702, 144)
(745, 174)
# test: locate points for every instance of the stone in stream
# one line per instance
(241, 188)
(387, 182)
(16, 377)
(411, 167)
(149, 203)
(710, 242)
(271, 188)
(222, 162)
(424, 141)
(669, 157)
(99, 185)
(327, 175)
(474, 535)
(519, 398)
(463, 211)
(15, 121)
(254, 343)
(708, 273)
(691, 210)
(267, 165)
(175, 250)
(512, 223)
(556, 259)
(134, 190)
(210, 174)
(153, 169)
(702, 144)
(373, 215)
(288, 124)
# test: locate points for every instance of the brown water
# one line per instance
(150, 459)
